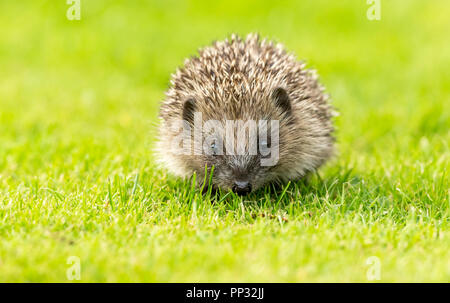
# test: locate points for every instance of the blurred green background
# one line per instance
(78, 115)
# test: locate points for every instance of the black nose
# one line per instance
(242, 188)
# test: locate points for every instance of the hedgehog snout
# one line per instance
(241, 188)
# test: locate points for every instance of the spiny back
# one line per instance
(237, 74)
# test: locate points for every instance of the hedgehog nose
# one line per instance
(242, 188)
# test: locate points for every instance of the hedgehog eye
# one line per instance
(214, 148)
(265, 143)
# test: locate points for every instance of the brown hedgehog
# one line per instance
(249, 112)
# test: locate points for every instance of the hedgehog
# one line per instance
(243, 114)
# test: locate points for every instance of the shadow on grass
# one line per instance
(312, 189)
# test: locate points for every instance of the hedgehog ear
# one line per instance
(188, 110)
(281, 99)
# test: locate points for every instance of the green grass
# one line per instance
(78, 114)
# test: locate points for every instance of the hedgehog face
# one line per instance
(243, 152)
(239, 164)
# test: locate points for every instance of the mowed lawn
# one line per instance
(78, 116)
